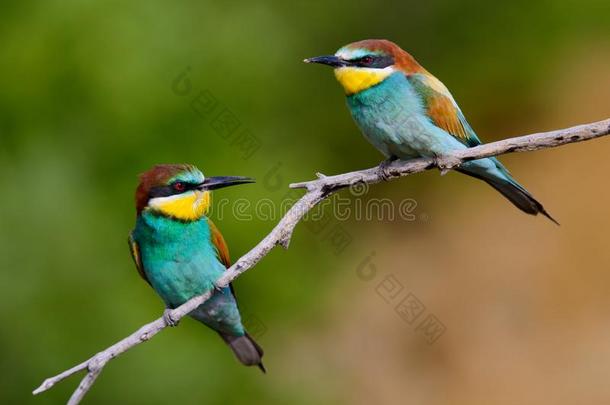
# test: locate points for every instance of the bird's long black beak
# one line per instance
(213, 183)
(330, 60)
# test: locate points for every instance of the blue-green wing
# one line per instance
(442, 109)
(135, 255)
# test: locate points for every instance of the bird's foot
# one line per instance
(445, 163)
(384, 168)
(218, 288)
(169, 320)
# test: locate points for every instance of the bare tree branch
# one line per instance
(318, 190)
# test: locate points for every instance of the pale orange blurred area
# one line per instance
(525, 303)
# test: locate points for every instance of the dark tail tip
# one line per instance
(537, 207)
(546, 214)
(247, 351)
(516, 194)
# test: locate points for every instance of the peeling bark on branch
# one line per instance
(318, 190)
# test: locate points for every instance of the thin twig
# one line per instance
(318, 190)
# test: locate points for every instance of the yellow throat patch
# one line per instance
(355, 79)
(185, 207)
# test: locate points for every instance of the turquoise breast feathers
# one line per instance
(391, 117)
(180, 262)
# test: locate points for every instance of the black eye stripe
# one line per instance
(166, 191)
(373, 61)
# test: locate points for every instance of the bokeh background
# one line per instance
(88, 100)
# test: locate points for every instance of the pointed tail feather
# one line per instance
(247, 351)
(520, 197)
(510, 189)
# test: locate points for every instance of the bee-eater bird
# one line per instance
(405, 112)
(180, 252)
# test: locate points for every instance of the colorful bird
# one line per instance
(405, 112)
(181, 253)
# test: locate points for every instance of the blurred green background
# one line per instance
(87, 102)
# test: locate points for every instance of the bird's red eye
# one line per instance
(367, 59)
(179, 186)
